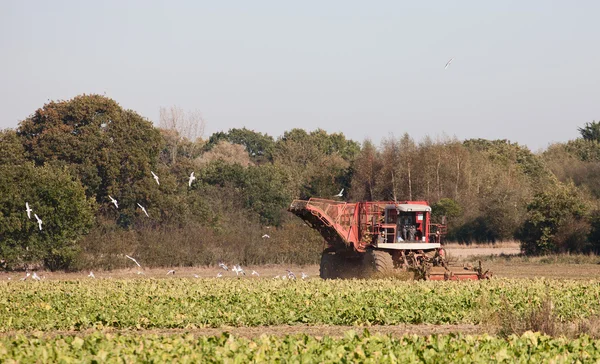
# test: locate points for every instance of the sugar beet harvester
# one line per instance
(366, 238)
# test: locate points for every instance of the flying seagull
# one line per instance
(196, 276)
(172, 271)
(135, 261)
(155, 177)
(255, 273)
(222, 265)
(113, 201)
(35, 276)
(304, 275)
(219, 275)
(448, 63)
(192, 178)
(28, 209)
(339, 194)
(266, 236)
(26, 276)
(237, 269)
(91, 275)
(39, 221)
(143, 209)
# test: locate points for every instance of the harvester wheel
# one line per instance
(380, 262)
(330, 266)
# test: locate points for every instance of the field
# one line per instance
(122, 315)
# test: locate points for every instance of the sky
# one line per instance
(527, 71)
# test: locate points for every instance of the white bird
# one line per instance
(196, 276)
(172, 271)
(26, 276)
(35, 276)
(140, 273)
(222, 265)
(113, 201)
(291, 275)
(143, 209)
(155, 177)
(284, 277)
(339, 194)
(192, 178)
(276, 277)
(304, 275)
(255, 273)
(238, 270)
(91, 275)
(28, 209)
(448, 63)
(135, 261)
(39, 221)
(266, 236)
(219, 275)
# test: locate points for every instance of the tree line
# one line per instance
(68, 157)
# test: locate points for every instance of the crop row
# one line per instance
(185, 303)
(107, 348)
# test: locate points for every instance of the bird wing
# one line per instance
(153, 174)
(135, 261)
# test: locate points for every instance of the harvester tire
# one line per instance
(380, 262)
(330, 267)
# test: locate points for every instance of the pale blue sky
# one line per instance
(528, 71)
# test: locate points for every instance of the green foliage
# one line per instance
(100, 347)
(184, 303)
(317, 164)
(262, 189)
(258, 145)
(110, 149)
(58, 199)
(548, 213)
(11, 150)
(591, 131)
(446, 207)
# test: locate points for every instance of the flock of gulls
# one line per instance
(237, 269)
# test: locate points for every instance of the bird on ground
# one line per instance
(448, 63)
(172, 271)
(339, 194)
(113, 201)
(304, 275)
(39, 221)
(140, 273)
(196, 276)
(26, 276)
(222, 265)
(35, 276)
(28, 209)
(219, 275)
(135, 261)
(155, 177)
(143, 209)
(290, 274)
(91, 275)
(266, 236)
(192, 178)
(255, 273)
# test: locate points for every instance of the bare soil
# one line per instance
(458, 254)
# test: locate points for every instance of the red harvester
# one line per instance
(378, 237)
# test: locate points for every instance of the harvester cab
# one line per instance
(380, 237)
